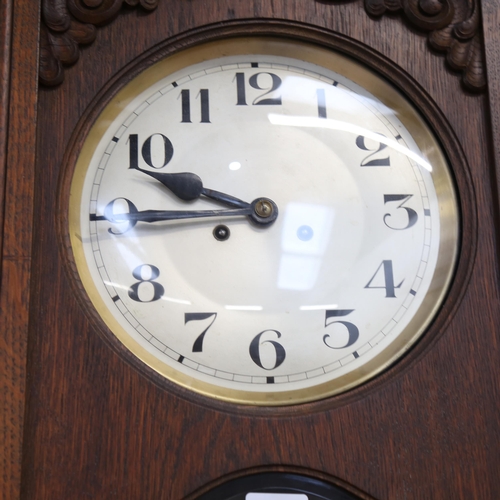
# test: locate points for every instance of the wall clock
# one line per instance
(331, 269)
(347, 164)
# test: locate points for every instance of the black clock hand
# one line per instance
(262, 211)
(188, 186)
(163, 215)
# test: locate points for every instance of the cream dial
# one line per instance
(307, 244)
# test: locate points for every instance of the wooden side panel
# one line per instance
(18, 73)
(5, 35)
(491, 26)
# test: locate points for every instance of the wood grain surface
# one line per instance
(19, 71)
(491, 16)
(99, 426)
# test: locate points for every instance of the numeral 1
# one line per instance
(320, 94)
(241, 99)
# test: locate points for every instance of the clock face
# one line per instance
(263, 221)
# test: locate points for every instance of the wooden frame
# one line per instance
(455, 376)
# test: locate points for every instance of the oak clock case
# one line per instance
(263, 221)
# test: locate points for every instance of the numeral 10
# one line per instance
(163, 147)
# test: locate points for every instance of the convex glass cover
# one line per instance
(263, 221)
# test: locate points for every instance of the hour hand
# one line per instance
(188, 186)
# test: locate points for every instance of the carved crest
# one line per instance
(67, 24)
(452, 27)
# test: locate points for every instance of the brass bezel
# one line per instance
(374, 84)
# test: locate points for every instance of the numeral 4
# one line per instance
(385, 269)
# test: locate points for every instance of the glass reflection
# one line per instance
(304, 239)
(310, 121)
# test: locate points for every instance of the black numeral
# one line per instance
(412, 215)
(120, 218)
(352, 330)
(375, 162)
(133, 144)
(320, 95)
(186, 106)
(241, 99)
(279, 350)
(146, 283)
(156, 161)
(198, 343)
(385, 268)
(256, 81)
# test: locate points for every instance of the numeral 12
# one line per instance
(254, 83)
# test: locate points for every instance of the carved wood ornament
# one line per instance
(453, 27)
(67, 24)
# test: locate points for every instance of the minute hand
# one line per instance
(163, 215)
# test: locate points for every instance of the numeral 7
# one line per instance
(198, 343)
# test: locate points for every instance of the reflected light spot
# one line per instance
(304, 239)
(234, 165)
(176, 301)
(305, 233)
(244, 308)
(318, 307)
(310, 121)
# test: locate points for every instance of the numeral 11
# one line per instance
(186, 106)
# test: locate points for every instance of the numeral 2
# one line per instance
(375, 162)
